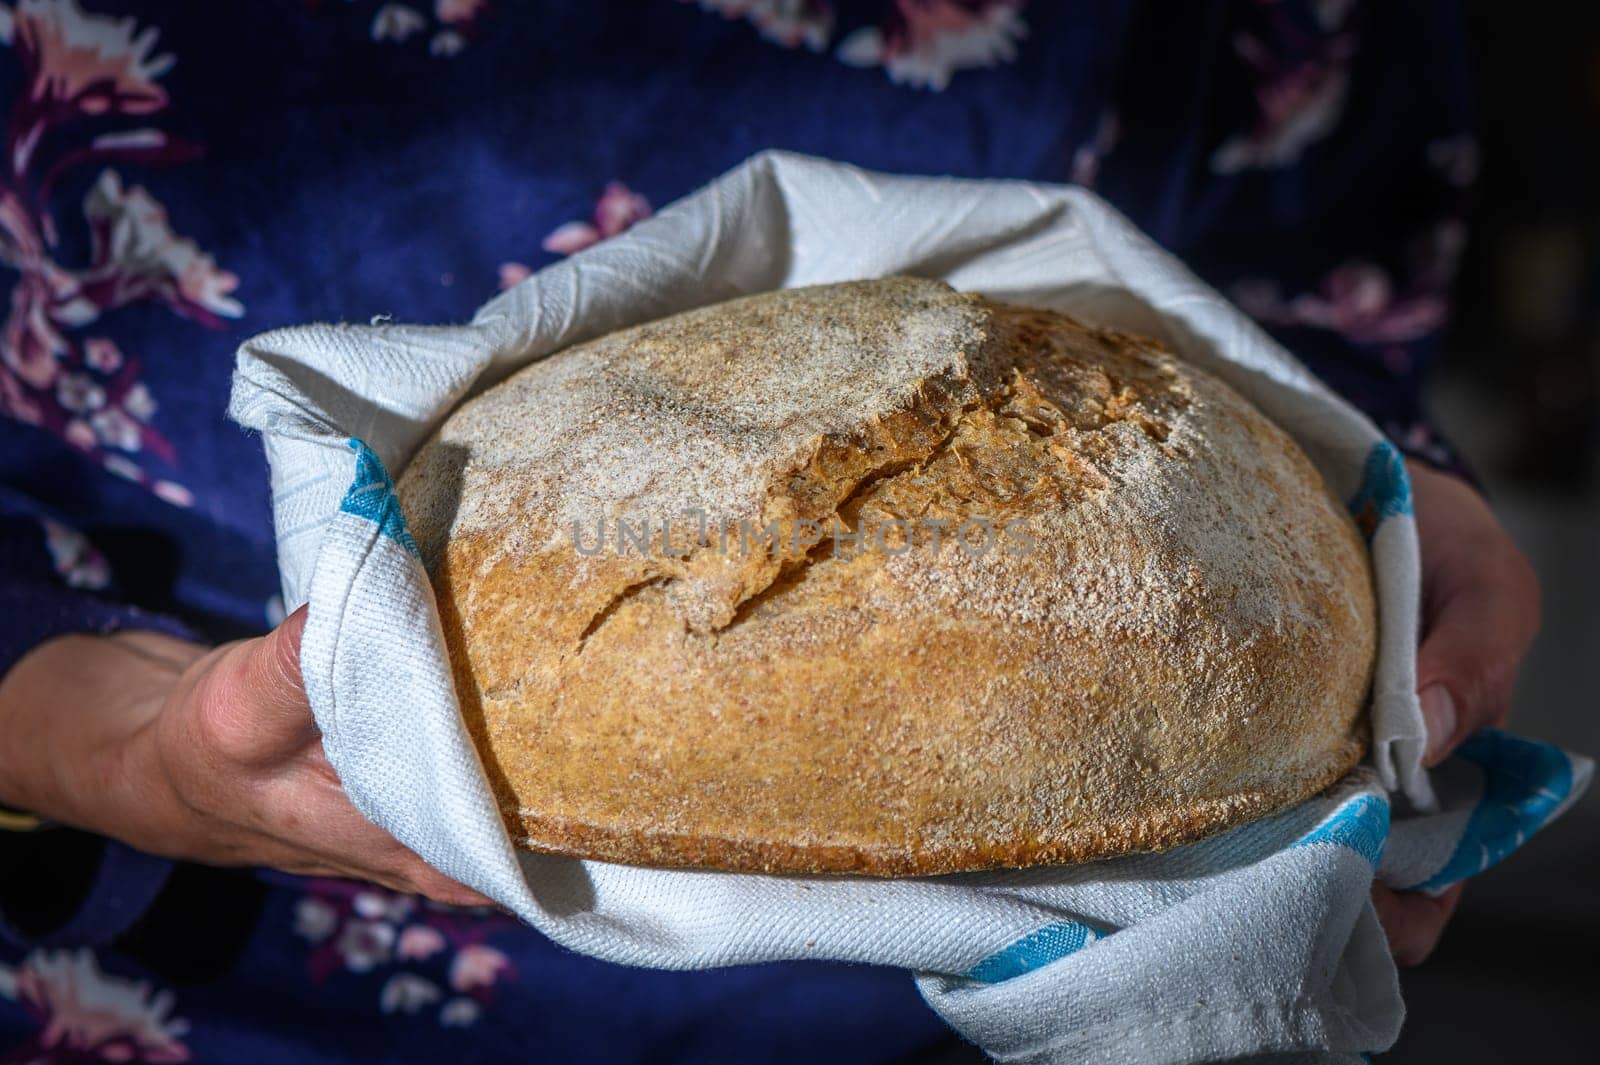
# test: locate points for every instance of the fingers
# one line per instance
(309, 815)
(1413, 923)
(1480, 612)
(226, 767)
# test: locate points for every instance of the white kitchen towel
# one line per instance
(1260, 940)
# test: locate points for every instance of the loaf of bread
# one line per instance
(883, 578)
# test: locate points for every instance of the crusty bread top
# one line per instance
(1186, 642)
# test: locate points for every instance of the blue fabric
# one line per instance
(183, 175)
(1361, 825)
(1525, 784)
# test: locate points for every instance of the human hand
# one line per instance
(205, 755)
(1480, 612)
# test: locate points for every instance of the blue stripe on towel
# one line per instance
(372, 496)
(1525, 784)
(1385, 490)
(1033, 951)
(1362, 824)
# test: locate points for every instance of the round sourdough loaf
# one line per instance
(884, 578)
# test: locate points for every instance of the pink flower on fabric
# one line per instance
(135, 250)
(455, 11)
(477, 966)
(617, 209)
(513, 274)
(31, 345)
(102, 354)
(417, 953)
(419, 942)
(1301, 83)
(94, 63)
(172, 492)
(1357, 301)
(790, 23)
(78, 64)
(407, 993)
(1086, 159)
(923, 43)
(86, 1015)
(78, 433)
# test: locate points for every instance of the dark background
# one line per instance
(1517, 977)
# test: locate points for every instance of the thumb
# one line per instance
(252, 705)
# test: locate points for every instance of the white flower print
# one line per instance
(477, 966)
(133, 239)
(75, 559)
(83, 76)
(138, 402)
(790, 23)
(460, 1013)
(113, 428)
(78, 393)
(446, 43)
(87, 1015)
(77, 433)
(926, 42)
(396, 22)
(314, 919)
(172, 492)
(94, 64)
(422, 957)
(120, 466)
(419, 942)
(102, 354)
(1299, 98)
(1357, 300)
(408, 993)
(383, 905)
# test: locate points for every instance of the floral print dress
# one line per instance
(179, 176)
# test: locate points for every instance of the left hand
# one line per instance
(1480, 612)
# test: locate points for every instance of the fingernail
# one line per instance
(1439, 715)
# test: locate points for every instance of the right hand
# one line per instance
(208, 755)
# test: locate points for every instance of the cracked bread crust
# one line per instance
(1171, 631)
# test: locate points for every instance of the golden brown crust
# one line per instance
(1186, 646)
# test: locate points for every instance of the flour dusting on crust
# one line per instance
(1170, 631)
